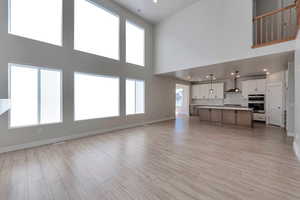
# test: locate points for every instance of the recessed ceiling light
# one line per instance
(265, 70)
(155, 1)
(232, 73)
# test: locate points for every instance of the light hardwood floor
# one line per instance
(179, 160)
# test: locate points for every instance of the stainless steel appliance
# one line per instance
(257, 103)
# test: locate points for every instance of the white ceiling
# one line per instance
(248, 67)
(152, 12)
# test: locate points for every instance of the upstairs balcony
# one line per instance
(277, 26)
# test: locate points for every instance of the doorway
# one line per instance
(182, 100)
(275, 104)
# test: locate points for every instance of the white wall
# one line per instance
(290, 104)
(297, 97)
(208, 32)
(160, 92)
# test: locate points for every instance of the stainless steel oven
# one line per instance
(257, 102)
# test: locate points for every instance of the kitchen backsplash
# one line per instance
(230, 98)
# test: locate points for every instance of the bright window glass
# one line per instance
(24, 96)
(50, 96)
(135, 44)
(96, 96)
(96, 30)
(135, 97)
(35, 96)
(37, 19)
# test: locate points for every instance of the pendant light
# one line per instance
(211, 91)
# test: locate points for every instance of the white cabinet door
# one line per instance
(195, 91)
(204, 91)
(252, 87)
(245, 91)
(261, 86)
(220, 90)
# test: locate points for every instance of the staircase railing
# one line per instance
(276, 26)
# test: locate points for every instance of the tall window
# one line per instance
(36, 96)
(135, 44)
(36, 19)
(135, 97)
(96, 30)
(96, 96)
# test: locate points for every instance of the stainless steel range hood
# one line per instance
(235, 89)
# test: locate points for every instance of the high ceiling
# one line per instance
(248, 67)
(152, 12)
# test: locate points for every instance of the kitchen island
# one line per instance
(242, 116)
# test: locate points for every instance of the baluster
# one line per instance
(266, 25)
(261, 30)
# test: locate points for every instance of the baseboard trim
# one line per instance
(71, 137)
(297, 147)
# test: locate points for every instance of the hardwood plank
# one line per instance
(182, 159)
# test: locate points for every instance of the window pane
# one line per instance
(96, 96)
(96, 30)
(50, 96)
(135, 44)
(37, 19)
(140, 97)
(24, 96)
(135, 97)
(130, 97)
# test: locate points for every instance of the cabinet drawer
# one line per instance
(259, 117)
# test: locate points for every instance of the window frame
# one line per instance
(112, 12)
(96, 75)
(126, 43)
(61, 44)
(39, 94)
(135, 80)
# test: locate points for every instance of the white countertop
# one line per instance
(226, 108)
(4, 105)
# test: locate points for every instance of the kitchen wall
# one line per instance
(206, 33)
(160, 91)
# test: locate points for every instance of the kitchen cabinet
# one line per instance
(204, 91)
(201, 91)
(253, 87)
(195, 91)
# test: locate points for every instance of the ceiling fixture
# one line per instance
(235, 89)
(211, 90)
(155, 1)
(265, 70)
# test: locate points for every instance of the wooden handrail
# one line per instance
(274, 12)
(277, 26)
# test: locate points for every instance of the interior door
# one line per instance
(275, 104)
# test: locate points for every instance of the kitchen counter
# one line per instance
(225, 108)
(234, 115)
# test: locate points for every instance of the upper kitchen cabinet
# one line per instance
(218, 91)
(201, 91)
(253, 87)
(196, 91)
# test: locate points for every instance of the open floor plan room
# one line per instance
(149, 100)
